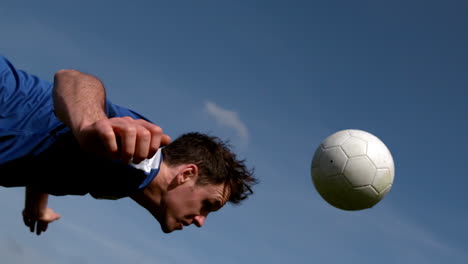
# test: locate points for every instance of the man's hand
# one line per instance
(122, 138)
(79, 102)
(39, 221)
(36, 214)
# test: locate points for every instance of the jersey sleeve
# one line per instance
(114, 110)
(27, 121)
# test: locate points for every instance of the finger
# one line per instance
(161, 141)
(56, 217)
(155, 136)
(124, 137)
(51, 217)
(142, 145)
(32, 224)
(25, 219)
(28, 223)
(128, 137)
(165, 140)
(41, 227)
(38, 228)
(108, 137)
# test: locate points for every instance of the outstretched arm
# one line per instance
(79, 101)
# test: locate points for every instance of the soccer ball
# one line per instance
(352, 170)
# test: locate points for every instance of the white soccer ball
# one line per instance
(352, 170)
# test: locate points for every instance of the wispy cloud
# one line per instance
(228, 119)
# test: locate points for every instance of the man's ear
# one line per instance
(188, 172)
(184, 173)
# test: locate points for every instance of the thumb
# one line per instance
(56, 217)
(165, 140)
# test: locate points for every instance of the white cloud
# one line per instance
(228, 119)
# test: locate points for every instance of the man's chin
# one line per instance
(166, 229)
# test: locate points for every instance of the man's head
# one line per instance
(205, 174)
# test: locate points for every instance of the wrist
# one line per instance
(83, 124)
(35, 201)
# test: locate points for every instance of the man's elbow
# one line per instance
(76, 77)
(66, 74)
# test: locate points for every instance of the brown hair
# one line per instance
(217, 164)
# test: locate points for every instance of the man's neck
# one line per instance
(150, 196)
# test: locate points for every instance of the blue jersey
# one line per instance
(37, 149)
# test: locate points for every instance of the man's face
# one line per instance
(189, 203)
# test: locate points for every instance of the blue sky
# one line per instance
(275, 78)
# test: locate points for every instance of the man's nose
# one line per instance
(199, 220)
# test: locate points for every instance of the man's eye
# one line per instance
(211, 207)
(207, 206)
